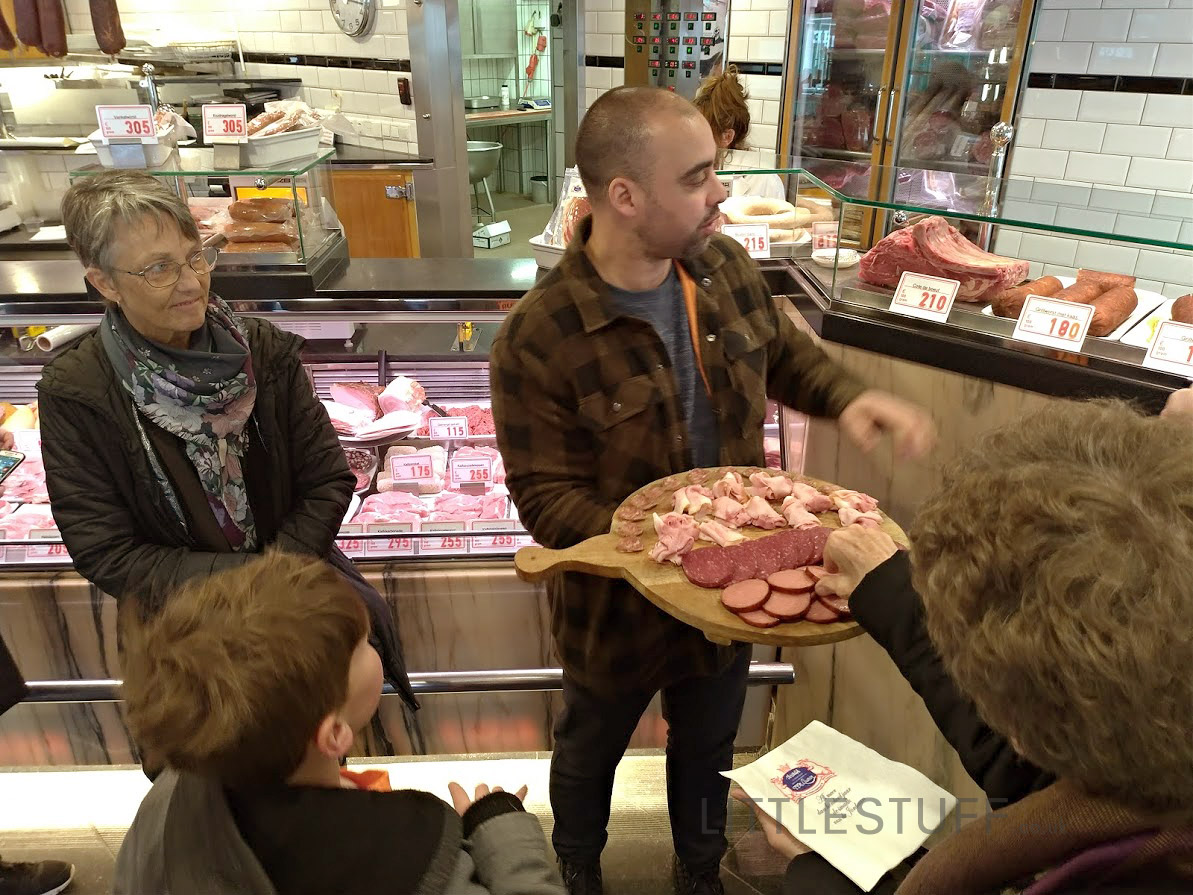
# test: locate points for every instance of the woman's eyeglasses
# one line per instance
(166, 273)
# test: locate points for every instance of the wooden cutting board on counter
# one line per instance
(666, 585)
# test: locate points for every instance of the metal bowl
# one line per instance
(483, 159)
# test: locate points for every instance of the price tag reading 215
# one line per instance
(925, 297)
(1053, 323)
(755, 238)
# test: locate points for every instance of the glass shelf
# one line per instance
(1032, 203)
(295, 168)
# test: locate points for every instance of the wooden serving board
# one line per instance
(666, 585)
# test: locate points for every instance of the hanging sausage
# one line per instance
(53, 27)
(7, 41)
(105, 22)
(28, 24)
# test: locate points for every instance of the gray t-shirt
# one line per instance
(663, 308)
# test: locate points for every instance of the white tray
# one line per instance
(264, 152)
(1144, 331)
(545, 255)
(1148, 301)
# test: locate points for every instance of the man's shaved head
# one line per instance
(616, 136)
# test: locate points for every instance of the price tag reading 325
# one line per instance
(1172, 349)
(1053, 323)
(925, 297)
(449, 427)
(755, 238)
(126, 122)
(224, 122)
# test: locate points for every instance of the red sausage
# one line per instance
(105, 22)
(1182, 309)
(792, 581)
(1105, 280)
(745, 596)
(1083, 292)
(7, 41)
(759, 619)
(28, 23)
(1111, 309)
(53, 27)
(1009, 302)
(816, 572)
(787, 607)
(839, 605)
(821, 614)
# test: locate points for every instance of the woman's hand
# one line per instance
(850, 554)
(6, 440)
(777, 835)
(1179, 405)
(462, 803)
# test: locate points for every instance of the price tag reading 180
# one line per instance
(449, 427)
(471, 470)
(925, 297)
(412, 468)
(755, 238)
(1172, 349)
(126, 122)
(1053, 323)
(224, 121)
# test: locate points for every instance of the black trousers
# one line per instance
(702, 714)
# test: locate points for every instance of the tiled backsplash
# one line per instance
(1123, 37)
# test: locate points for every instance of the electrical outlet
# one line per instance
(337, 100)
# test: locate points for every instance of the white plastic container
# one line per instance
(505, 96)
(265, 152)
(155, 153)
(545, 255)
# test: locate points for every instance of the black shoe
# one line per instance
(580, 878)
(42, 878)
(698, 882)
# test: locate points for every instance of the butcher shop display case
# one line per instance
(279, 217)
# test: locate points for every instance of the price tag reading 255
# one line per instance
(1053, 323)
(925, 297)
(755, 238)
(471, 470)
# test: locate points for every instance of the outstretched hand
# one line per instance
(874, 413)
(462, 803)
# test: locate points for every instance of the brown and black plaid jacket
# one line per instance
(587, 411)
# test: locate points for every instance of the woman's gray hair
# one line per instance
(97, 207)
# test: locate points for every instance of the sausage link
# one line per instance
(7, 41)
(53, 27)
(105, 22)
(28, 23)
(1105, 280)
(1080, 292)
(1182, 309)
(1111, 308)
(1009, 302)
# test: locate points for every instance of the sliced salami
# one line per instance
(839, 605)
(792, 581)
(816, 572)
(641, 501)
(630, 514)
(821, 613)
(745, 596)
(698, 476)
(708, 567)
(629, 544)
(787, 607)
(759, 619)
(628, 528)
(818, 537)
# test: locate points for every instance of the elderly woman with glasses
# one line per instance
(180, 439)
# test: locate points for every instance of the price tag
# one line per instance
(1172, 349)
(225, 122)
(392, 546)
(1053, 323)
(126, 123)
(349, 540)
(755, 238)
(452, 543)
(925, 297)
(449, 427)
(27, 441)
(49, 552)
(471, 470)
(412, 468)
(824, 235)
(499, 537)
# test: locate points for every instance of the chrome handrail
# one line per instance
(424, 683)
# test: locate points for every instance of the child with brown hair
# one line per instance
(252, 685)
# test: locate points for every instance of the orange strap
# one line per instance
(376, 780)
(689, 300)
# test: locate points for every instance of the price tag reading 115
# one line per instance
(126, 122)
(224, 121)
(925, 297)
(1172, 349)
(449, 427)
(1053, 323)
(755, 238)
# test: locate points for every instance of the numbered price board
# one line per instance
(754, 238)
(824, 235)
(412, 468)
(1171, 350)
(399, 542)
(471, 470)
(225, 122)
(1053, 323)
(924, 297)
(449, 427)
(48, 552)
(350, 541)
(126, 122)
(497, 537)
(453, 541)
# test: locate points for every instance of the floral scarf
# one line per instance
(204, 397)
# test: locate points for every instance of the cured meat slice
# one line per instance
(628, 528)
(709, 567)
(839, 605)
(641, 501)
(630, 514)
(816, 572)
(817, 538)
(787, 607)
(629, 544)
(360, 395)
(745, 596)
(759, 619)
(792, 581)
(821, 614)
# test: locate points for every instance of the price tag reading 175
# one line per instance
(126, 122)
(412, 468)
(925, 297)
(224, 121)
(755, 238)
(449, 427)
(1053, 323)
(1172, 349)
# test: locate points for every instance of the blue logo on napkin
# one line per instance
(799, 779)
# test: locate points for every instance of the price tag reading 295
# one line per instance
(925, 297)
(1053, 323)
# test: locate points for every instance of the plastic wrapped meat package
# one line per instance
(24, 519)
(573, 207)
(27, 483)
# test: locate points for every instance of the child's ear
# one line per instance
(334, 737)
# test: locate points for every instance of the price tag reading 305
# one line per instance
(1171, 350)
(126, 123)
(1053, 323)
(925, 297)
(224, 122)
(755, 238)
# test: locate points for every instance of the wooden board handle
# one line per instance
(596, 556)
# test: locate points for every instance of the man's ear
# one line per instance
(624, 196)
(104, 283)
(334, 737)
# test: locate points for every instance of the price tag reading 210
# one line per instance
(925, 297)
(1053, 323)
